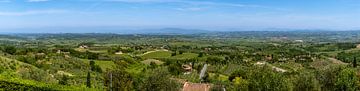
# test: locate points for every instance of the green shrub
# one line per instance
(347, 80)
(306, 81)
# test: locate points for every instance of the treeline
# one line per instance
(348, 57)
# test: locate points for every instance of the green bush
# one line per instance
(306, 81)
(347, 80)
(159, 80)
(121, 80)
(265, 79)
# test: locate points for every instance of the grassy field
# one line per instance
(167, 54)
(121, 55)
(80, 49)
(98, 51)
(148, 61)
(157, 54)
(136, 68)
(94, 51)
(186, 56)
(219, 77)
(104, 64)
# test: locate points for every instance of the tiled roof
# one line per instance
(196, 87)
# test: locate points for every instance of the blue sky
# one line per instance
(200, 14)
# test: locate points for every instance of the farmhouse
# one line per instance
(187, 69)
(83, 46)
(358, 46)
(61, 52)
(119, 53)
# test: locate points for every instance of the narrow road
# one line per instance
(273, 67)
(153, 51)
(336, 61)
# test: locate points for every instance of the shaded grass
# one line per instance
(148, 61)
(104, 65)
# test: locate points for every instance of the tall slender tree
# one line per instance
(272, 58)
(111, 86)
(354, 62)
(88, 80)
(92, 65)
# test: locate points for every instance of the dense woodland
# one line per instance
(235, 61)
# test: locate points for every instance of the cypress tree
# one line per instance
(272, 58)
(354, 62)
(201, 54)
(92, 65)
(64, 80)
(173, 54)
(88, 80)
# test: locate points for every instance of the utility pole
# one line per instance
(203, 73)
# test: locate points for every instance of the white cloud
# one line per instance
(37, 0)
(31, 12)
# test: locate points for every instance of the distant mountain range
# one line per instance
(164, 31)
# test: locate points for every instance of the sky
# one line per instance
(197, 14)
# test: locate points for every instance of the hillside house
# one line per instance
(187, 69)
(83, 46)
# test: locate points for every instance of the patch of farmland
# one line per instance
(148, 61)
(157, 54)
(80, 49)
(104, 64)
(98, 51)
(137, 68)
(186, 56)
(219, 77)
